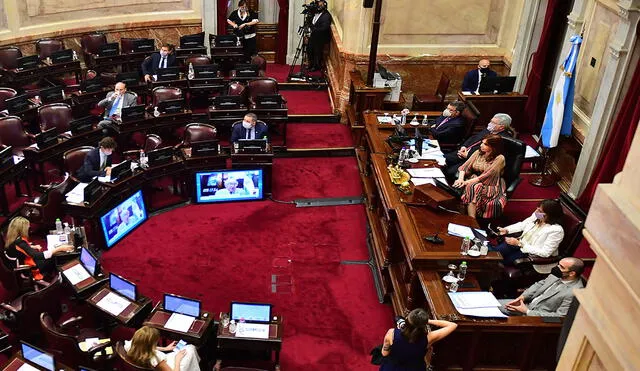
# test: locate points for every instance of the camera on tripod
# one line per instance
(311, 8)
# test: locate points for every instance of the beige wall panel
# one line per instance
(3, 16)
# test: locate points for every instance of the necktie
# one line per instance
(114, 107)
(249, 133)
(443, 122)
(162, 62)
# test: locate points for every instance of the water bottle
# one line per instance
(67, 229)
(453, 286)
(424, 121)
(232, 327)
(59, 229)
(192, 73)
(75, 56)
(415, 122)
(462, 273)
(484, 250)
(464, 248)
(404, 119)
(156, 113)
(143, 158)
(402, 156)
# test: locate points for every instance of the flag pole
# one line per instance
(545, 179)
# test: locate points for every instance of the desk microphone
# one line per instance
(434, 239)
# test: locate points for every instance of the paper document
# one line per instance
(104, 179)
(179, 322)
(76, 195)
(422, 181)
(429, 172)
(464, 231)
(27, 367)
(252, 330)
(89, 343)
(473, 299)
(492, 312)
(468, 93)
(55, 240)
(385, 120)
(113, 303)
(531, 153)
(76, 274)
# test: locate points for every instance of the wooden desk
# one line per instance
(127, 62)
(12, 173)
(515, 343)
(229, 341)
(489, 104)
(84, 288)
(131, 316)
(198, 333)
(247, 161)
(16, 361)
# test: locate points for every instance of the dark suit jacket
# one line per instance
(130, 99)
(150, 66)
(451, 132)
(239, 132)
(91, 166)
(470, 82)
(321, 30)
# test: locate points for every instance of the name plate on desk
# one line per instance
(252, 330)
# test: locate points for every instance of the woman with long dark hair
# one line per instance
(405, 348)
(481, 177)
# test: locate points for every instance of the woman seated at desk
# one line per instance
(484, 188)
(17, 246)
(541, 234)
(144, 351)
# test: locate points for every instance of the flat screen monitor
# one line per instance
(62, 56)
(167, 74)
(205, 71)
(132, 113)
(37, 356)
(82, 125)
(251, 312)
(47, 138)
(130, 79)
(121, 170)
(52, 94)
(205, 148)
(144, 45)
(226, 40)
(269, 101)
(89, 262)
(229, 185)
(28, 62)
(192, 41)
(6, 157)
(122, 219)
(497, 84)
(123, 287)
(228, 101)
(160, 156)
(171, 106)
(246, 70)
(109, 49)
(92, 190)
(252, 145)
(92, 85)
(17, 104)
(182, 305)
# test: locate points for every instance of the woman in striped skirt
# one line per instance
(481, 176)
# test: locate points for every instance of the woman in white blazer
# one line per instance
(541, 234)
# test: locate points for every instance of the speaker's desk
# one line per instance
(488, 105)
(229, 341)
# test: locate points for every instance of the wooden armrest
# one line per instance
(73, 321)
(9, 307)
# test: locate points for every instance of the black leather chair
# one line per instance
(45, 47)
(73, 160)
(514, 151)
(196, 132)
(12, 133)
(55, 115)
(6, 93)
(9, 57)
(44, 209)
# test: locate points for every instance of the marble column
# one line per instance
(533, 13)
(209, 19)
(609, 94)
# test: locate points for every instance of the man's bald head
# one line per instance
(573, 265)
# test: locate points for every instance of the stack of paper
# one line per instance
(531, 153)
(426, 175)
(463, 231)
(476, 303)
(76, 274)
(55, 240)
(76, 195)
(113, 303)
(179, 322)
(89, 343)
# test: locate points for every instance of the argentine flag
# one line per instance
(559, 115)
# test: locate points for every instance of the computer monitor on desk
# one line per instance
(192, 41)
(178, 304)
(123, 287)
(205, 148)
(37, 357)
(47, 138)
(246, 70)
(225, 41)
(62, 56)
(130, 79)
(27, 62)
(6, 157)
(167, 74)
(132, 113)
(91, 191)
(82, 125)
(269, 101)
(206, 71)
(252, 145)
(171, 106)
(144, 45)
(251, 312)
(160, 156)
(52, 94)
(92, 85)
(121, 170)
(228, 102)
(109, 50)
(89, 262)
(17, 104)
(497, 85)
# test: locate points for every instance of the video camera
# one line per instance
(311, 8)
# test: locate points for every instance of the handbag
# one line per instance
(376, 355)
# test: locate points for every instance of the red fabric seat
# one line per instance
(433, 102)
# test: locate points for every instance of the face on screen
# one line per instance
(219, 186)
(123, 218)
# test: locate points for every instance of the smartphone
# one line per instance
(181, 344)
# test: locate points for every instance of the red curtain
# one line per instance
(223, 10)
(283, 25)
(534, 80)
(618, 142)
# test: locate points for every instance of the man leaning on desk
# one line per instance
(163, 59)
(113, 104)
(250, 129)
(551, 296)
(473, 78)
(98, 161)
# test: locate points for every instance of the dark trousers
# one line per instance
(250, 47)
(315, 51)
(509, 253)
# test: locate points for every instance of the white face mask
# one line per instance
(246, 125)
(491, 127)
(446, 113)
(164, 54)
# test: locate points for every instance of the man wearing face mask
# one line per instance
(500, 124)
(113, 104)
(550, 297)
(165, 58)
(249, 129)
(320, 36)
(473, 78)
(98, 161)
(449, 127)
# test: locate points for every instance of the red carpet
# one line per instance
(279, 72)
(528, 191)
(308, 135)
(331, 313)
(307, 101)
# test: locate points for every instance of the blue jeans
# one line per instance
(509, 253)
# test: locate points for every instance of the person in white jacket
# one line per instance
(541, 234)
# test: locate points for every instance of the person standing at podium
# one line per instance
(250, 129)
(473, 78)
(244, 21)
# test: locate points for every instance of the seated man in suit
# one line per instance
(472, 78)
(98, 161)
(113, 104)
(551, 296)
(449, 127)
(500, 124)
(165, 58)
(250, 129)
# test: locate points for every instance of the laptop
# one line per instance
(52, 94)
(226, 40)
(89, 262)
(246, 70)
(130, 79)
(160, 156)
(205, 71)
(27, 62)
(497, 84)
(37, 357)
(82, 125)
(171, 106)
(121, 170)
(47, 138)
(123, 287)
(228, 101)
(144, 45)
(132, 113)
(6, 157)
(62, 56)
(92, 85)
(184, 312)
(253, 319)
(269, 100)
(205, 148)
(92, 191)
(109, 50)
(19, 103)
(455, 192)
(167, 74)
